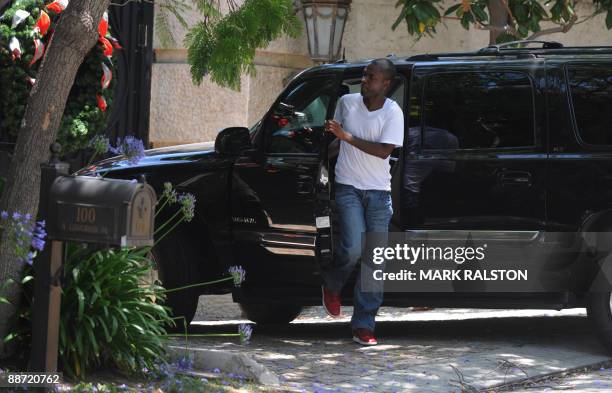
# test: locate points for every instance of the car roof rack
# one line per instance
(509, 49)
(495, 49)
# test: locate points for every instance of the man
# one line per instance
(368, 126)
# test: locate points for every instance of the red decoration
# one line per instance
(115, 42)
(30, 80)
(39, 51)
(103, 25)
(101, 102)
(43, 23)
(15, 48)
(107, 76)
(58, 6)
(107, 46)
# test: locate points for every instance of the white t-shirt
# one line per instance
(385, 125)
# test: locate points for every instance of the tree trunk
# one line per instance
(499, 19)
(76, 33)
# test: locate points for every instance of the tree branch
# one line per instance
(564, 28)
(505, 3)
(505, 29)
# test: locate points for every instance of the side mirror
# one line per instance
(232, 140)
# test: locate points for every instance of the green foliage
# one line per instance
(525, 17)
(176, 9)
(421, 16)
(225, 47)
(82, 118)
(108, 316)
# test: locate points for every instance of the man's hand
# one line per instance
(335, 128)
(377, 149)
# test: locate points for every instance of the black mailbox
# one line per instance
(96, 210)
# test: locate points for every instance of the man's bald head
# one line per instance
(386, 66)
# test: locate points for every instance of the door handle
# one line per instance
(514, 178)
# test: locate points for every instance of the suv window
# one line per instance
(591, 92)
(396, 92)
(296, 123)
(478, 110)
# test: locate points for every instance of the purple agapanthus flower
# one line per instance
(238, 273)
(170, 192)
(132, 148)
(245, 331)
(25, 236)
(185, 363)
(187, 202)
(38, 236)
(100, 144)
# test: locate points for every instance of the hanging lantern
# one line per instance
(325, 21)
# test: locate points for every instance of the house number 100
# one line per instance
(86, 215)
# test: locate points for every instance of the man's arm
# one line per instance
(380, 150)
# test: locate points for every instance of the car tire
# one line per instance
(270, 314)
(599, 311)
(183, 303)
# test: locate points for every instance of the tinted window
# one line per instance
(396, 92)
(297, 121)
(591, 91)
(478, 110)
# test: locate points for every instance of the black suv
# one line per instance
(512, 142)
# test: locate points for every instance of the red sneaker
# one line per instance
(331, 302)
(364, 337)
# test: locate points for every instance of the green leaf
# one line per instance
(9, 337)
(420, 12)
(609, 20)
(26, 279)
(92, 339)
(400, 18)
(452, 9)
(81, 300)
(107, 334)
(480, 13)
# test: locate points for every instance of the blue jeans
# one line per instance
(359, 211)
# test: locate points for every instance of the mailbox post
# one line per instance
(108, 212)
(47, 291)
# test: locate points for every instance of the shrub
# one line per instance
(107, 317)
(82, 116)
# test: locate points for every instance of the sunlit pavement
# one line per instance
(441, 350)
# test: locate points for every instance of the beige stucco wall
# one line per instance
(182, 112)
